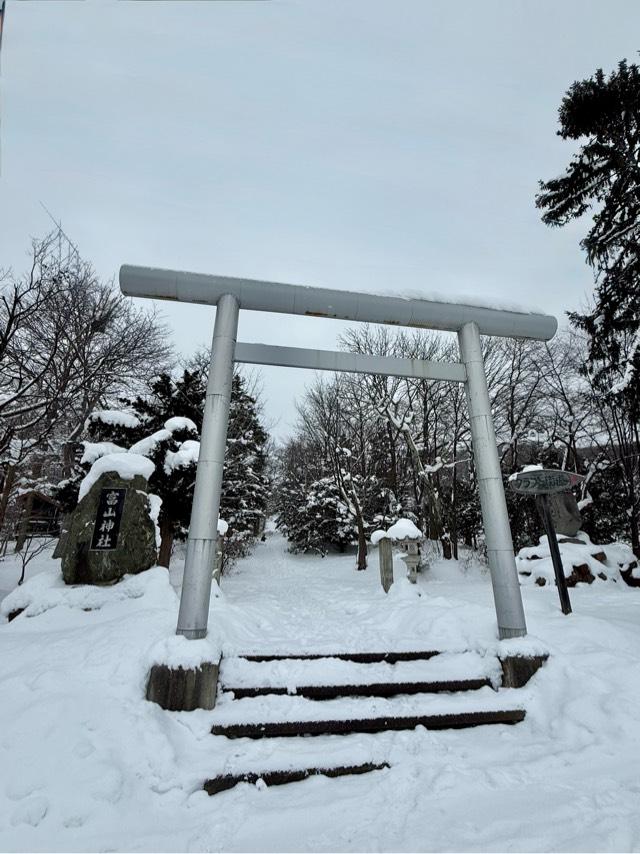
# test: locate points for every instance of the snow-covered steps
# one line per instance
(279, 778)
(288, 714)
(364, 697)
(374, 689)
(324, 678)
(369, 725)
(362, 657)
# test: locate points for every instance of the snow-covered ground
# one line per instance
(87, 764)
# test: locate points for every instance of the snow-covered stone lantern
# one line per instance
(405, 534)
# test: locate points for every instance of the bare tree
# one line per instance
(69, 343)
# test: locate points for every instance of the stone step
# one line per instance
(327, 678)
(454, 720)
(375, 689)
(362, 657)
(278, 778)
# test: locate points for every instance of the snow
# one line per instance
(187, 454)
(629, 369)
(534, 562)
(115, 417)
(47, 591)
(155, 504)
(532, 467)
(126, 466)
(94, 450)
(88, 764)
(238, 672)
(223, 527)
(275, 708)
(403, 529)
(176, 651)
(447, 297)
(147, 445)
(179, 423)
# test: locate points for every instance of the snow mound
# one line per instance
(582, 561)
(179, 423)
(177, 651)
(94, 450)
(126, 466)
(47, 590)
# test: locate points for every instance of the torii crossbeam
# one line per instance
(231, 294)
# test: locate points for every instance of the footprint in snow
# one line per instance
(16, 790)
(83, 749)
(30, 812)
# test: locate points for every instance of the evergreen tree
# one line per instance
(245, 486)
(605, 113)
(321, 518)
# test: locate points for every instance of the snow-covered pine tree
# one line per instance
(245, 485)
(321, 520)
(604, 113)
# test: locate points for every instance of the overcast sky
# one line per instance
(340, 143)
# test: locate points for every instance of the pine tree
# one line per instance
(605, 113)
(245, 486)
(321, 518)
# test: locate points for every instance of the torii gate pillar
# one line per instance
(504, 575)
(203, 529)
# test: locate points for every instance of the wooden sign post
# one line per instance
(541, 483)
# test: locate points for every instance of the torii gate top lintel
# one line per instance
(256, 295)
(229, 295)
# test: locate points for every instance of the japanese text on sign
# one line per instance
(107, 526)
(543, 481)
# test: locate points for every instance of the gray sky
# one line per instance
(339, 143)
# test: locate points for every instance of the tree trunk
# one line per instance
(9, 480)
(362, 540)
(362, 545)
(25, 519)
(166, 542)
(635, 535)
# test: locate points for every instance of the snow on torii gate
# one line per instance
(231, 294)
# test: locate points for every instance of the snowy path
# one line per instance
(87, 764)
(275, 601)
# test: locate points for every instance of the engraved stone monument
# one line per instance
(110, 532)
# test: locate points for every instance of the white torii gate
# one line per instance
(231, 294)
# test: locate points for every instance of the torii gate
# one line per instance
(231, 294)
